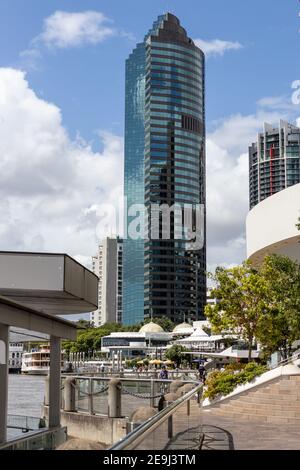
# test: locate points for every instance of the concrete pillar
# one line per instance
(54, 385)
(70, 394)
(4, 358)
(114, 398)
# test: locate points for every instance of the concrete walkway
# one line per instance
(222, 433)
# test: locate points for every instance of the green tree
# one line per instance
(242, 302)
(175, 353)
(280, 327)
(84, 324)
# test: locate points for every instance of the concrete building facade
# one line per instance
(274, 161)
(108, 266)
(271, 226)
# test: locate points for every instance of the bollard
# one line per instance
(69, 394)
(175, 385)
(114, 398)
(46, 397)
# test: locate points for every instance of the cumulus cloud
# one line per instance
(48, 181)
(64, 30)
(52, 187)
(228, 178)
(217, 47)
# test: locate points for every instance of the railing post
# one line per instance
(91, 398)
(4, 360)
(170, 427)
(188, 408)
(152, 387)
(46, 396)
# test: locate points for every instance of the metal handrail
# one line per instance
(288, 360)
(12, 444)
(139, 434)
(123, 379)
(25, 423)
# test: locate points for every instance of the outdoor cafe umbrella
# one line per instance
(168, 362)
(156, 361)
(140, 362)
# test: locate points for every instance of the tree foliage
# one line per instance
(280, 326)
(261, 304)
(175, 353)
(242, 301)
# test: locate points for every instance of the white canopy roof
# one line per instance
(200, 339)
(199, 333)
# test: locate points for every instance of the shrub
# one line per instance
(223, 383)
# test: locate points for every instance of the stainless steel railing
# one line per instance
(288, 360)
(25, 423)
(91, 393)
(164, 430)
(45, 439)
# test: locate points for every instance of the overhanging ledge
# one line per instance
(48, 282)
(15, 314)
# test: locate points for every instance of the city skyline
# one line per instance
(59, 100)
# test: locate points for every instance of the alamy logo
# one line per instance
(181, 222)
(296, 94)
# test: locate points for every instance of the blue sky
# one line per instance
(87, 82)
(59, 82)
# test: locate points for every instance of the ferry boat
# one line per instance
(37, 362)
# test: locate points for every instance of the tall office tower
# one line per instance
(274, 161)
(164, 164)
(108, 266)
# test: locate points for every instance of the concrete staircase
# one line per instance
(275, 401)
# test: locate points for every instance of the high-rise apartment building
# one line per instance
(274, 161)
(108, 266)
(164, 164)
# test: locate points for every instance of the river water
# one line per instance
(25, 395)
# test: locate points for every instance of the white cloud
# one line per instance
(64, 29)
(51, 187)
(47, 180)
(228, 179)
(217, 47)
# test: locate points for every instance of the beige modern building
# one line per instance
(108, 266)
(271, 226)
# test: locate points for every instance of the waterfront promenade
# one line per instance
(222, 433)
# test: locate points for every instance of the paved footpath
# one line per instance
(229, 433)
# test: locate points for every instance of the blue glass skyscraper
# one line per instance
(164, 164)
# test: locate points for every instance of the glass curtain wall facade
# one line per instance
(274, 161)
(165, 164)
